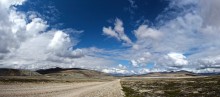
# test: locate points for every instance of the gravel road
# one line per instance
(84, 89)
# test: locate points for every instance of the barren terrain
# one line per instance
(75, 89)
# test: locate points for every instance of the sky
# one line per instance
(112, 36)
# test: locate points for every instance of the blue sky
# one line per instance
(113, 36)
(90, 16)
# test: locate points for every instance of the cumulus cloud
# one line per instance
(117, 32)
(192, 30)
(115, 71)
(177, 58)
(37, 25)
(10, 26)
(187, 41)
(143, 32)
(7, 4)
(120, 69)
(27, 41)
(122, 66)
(141, 59)
(60, 39)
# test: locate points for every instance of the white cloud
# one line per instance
(122, 66)
(115, 71)
(141, 59)
(7, 3)
(60, 39)
(134, 63)
(28, 42)
(193, 30)
(17, 20)
(120, 69)
(143, 32)
(143, 71)
(37, 25)
(177, 58)
(208, 10)
(109, 31)
(117, 32)
(119, 26)
(11, 23)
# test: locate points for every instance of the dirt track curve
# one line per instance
(85, 89)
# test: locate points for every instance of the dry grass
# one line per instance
(179, 87)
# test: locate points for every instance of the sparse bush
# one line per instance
(189, 87)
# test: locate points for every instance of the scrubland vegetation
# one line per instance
(172, 87)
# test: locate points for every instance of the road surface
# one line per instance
(84, 89)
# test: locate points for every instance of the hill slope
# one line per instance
(169, 74)
(73, 72)
(17, 72)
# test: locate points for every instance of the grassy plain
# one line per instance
(171, 87)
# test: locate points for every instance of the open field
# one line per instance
(58, 82)
(171, 87)
(47, 88)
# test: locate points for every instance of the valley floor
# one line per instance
(74, 89)
(194, 86)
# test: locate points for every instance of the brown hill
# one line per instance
(170, 74)
(73, 73)
(17, 72)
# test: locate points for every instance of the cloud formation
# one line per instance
(120, 69)
(187, 41)
(117, 32)
(177, 59)
(185, 38)
(27, 41)
(143, 32)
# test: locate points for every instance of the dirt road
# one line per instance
(85, 89)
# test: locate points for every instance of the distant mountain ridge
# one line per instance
(17, 72)
(73, 72)
(85, 73)
(55, 72)
(181, 73)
